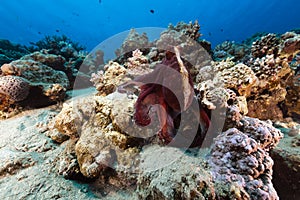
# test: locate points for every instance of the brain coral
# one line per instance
(16, 88)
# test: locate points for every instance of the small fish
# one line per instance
(152, 11)
(39, 32)
(209, 33)
(57, 30)
(221, 30)
(100, 1)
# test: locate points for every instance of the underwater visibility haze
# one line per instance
(90, 22)
(148, 99)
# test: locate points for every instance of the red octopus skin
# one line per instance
(167, 94)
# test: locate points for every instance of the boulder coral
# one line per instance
(240, 156)
(14, 87)
(40, 84)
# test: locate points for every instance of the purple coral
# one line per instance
(14, 87)
(239, 160)
(240, 157)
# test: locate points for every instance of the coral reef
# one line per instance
(138, 64)
(39, 84)
(266, 45)
(10, 51)
(266, 78)
(194, 52)
(133, 41)
(61, 53)
(229, 49)
(240, 157)
(58, 45)
(190, 29)
(225, 83)
(130, 136)
(105, 144)
(108, 81)
(270, 63)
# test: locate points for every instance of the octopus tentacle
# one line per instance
(167, 99)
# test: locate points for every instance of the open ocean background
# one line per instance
(89, 22)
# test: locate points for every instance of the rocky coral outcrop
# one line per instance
(229, 49)
(56, 62)
(191, 29)
(133, 41)
(100, 126)
(70, 120)
(292, 100)
(266, 45)
(240, 156)
(107, 81)
(108, 145)
(138, 64)
(265, 79)
(225, 83)
(290, 50)
(29, 82)
(271, 61)
(192, 50)
(35, 72)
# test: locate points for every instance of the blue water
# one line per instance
(92, 21)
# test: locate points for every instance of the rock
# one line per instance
(179, 177)
(13, 161)
(68, 165)
(286, 168)
(71, 117)
(28, 161)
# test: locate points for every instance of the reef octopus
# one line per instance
(167, 91)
